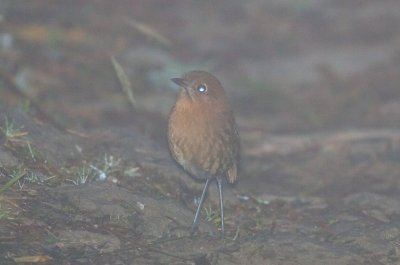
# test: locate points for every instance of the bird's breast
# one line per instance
(200, 141)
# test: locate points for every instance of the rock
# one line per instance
(376, 202)
(79, 239)
(146, 215)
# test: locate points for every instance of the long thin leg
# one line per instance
(196, 216)
(221, 205)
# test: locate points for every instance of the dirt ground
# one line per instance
(86, 176)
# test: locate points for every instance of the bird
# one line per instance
(202, 134)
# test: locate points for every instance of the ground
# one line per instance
(85, 173)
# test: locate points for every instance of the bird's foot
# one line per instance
(193, 229)
(221, 234)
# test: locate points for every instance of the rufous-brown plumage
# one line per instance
(202, 134)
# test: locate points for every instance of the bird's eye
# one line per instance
(202, 88)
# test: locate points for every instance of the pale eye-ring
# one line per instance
(202, 88)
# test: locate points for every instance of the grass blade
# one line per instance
(148, 31)
(17, 176)
(124, 81)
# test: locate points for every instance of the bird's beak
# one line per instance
(179, 81)
(182, 83)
